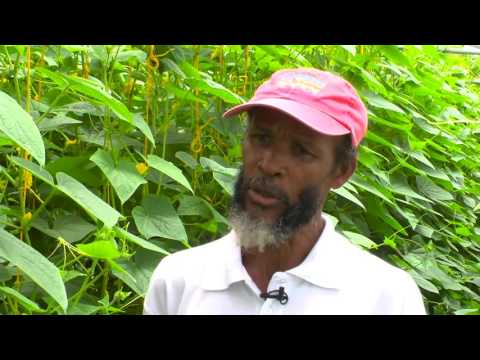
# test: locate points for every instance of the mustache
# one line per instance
(293, 218)
(264, 186)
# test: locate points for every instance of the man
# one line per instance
(283, 256)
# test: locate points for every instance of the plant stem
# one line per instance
(106, 271)
(40, 209)
(246, 64)
(52, 105)
(15, 72)
(86, 284)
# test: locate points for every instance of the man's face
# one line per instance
(287, 172)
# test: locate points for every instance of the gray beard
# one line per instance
(255, 233)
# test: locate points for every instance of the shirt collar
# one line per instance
(224, 266)
(324, 266)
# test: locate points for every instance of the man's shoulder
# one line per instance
(365, 267)
(192, 258)
(375, 281)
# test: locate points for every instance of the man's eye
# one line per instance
(261, 138)
(302, 151)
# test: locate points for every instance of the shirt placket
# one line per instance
(273, 306)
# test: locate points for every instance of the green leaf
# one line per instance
(6, 273)
(400, 186)
(123, 176)
(139, 55)
(76, 48)
(380, 102)
(68, 275)
(116, 266)
(447, 282)
(78, 167)
(136, 276)
(100, 249)
(100, 52)
(422, 282)
(182, 94)
(385, 216)
(430, 269)
(187, 159)
(82, 108)
(57, 78)
(411, 217)
(19, 126)
(332, 218)
(193, 206)
(272, 50)
(402, 126)
(91, 203)
(462, 230)
(33, 168)
(216, 89)
(424, 230)
(296, 57)
(26, 302)
(422, 158)
(360, 240)
(169, 64)
(405, 164)
(71, 228)
(395, 55)
(157, 217)
(141, 125)
(216, 167)
(216, 215)
(56, 122)
(227, 182)
(90, 89)
(378, 139)
(350, 48)
(5, 141)
(422, 122)
(365, 185)
(343, 192)
(433, 191)
(467, 311)
(34, 265)
(371, 80)
(82, 309)
(436, 173)
(169, 169)
(139, 241)
(189, 70)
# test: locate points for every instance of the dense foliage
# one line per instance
(114, 156)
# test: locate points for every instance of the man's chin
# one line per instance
(255, 231)
(268, 215)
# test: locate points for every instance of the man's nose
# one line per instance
(271, 164)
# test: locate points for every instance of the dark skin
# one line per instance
(294, 157)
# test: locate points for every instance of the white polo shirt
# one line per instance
(336, 277)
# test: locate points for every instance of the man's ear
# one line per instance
(344, 173)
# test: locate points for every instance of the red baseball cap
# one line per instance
(322, 101)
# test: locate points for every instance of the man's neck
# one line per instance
(262, 265)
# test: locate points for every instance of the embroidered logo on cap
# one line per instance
(301, 81)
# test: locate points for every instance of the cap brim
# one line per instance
(313, 118)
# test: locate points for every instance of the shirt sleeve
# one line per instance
(413, 300)
(156, 297)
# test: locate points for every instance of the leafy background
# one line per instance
(114, 156)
